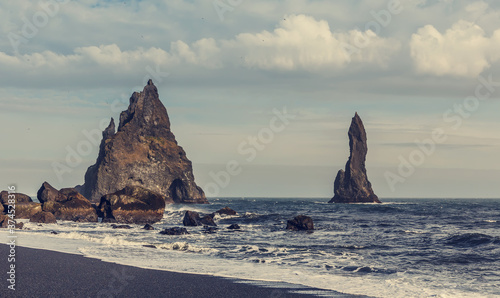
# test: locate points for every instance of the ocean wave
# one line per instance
(187, 247)
(471, 240)
(106, 240)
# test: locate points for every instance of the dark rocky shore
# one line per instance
(42, 273)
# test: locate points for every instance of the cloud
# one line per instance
(299, 43)
(302, 42)
(463, 50)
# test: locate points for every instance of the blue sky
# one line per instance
(407, 67)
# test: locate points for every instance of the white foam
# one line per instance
(181, 256)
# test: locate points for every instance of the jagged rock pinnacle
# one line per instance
(351, 185)
(142, 152)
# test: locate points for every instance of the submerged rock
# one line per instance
(148, 227)
(234, 227)
(300, 223)
(352, 185)
(133, 204)
(226, 211)
(175, 231)
(143, 152)
(209, 230)
(127, 227)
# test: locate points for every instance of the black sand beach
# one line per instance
(42, 273)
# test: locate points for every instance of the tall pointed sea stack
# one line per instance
(352, 185)
(143, 152)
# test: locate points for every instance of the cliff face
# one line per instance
(143, 152)
(352, 185)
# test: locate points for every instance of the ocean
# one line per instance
(401, 248)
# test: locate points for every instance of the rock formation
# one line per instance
(300, 223)
(66, 204)
(47, 193)
(24, 206)
(352, 185)
(7, 223)
(133, 204)
(143, 152)
(43, 217)
(192, 219)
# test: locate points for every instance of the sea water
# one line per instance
(401, 248)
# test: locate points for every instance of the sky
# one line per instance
(424, 76)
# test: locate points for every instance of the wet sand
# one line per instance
(43, 273)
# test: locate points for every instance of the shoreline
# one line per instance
(46, 273)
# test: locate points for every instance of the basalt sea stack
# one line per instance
(352, 185)
(142, 152)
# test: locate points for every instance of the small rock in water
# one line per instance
(226, 211)
(192, 218)
(148, 227)
(54, 232)
(207, 220)
(209, 230)
(149, 246)
(175, 231)
(300, 223)
(234, 227)
(121, 226)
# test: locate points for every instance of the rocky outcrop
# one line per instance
(192, 218)
(27, 210)
(352, 185)
(300, 223)
(66, 204)
(24, 206)
(18, 198)
(43, 217)
(133, 204)
(47, 193)
(7, 223)
(143, 152)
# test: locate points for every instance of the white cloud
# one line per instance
(302, 42)
(463, 50)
